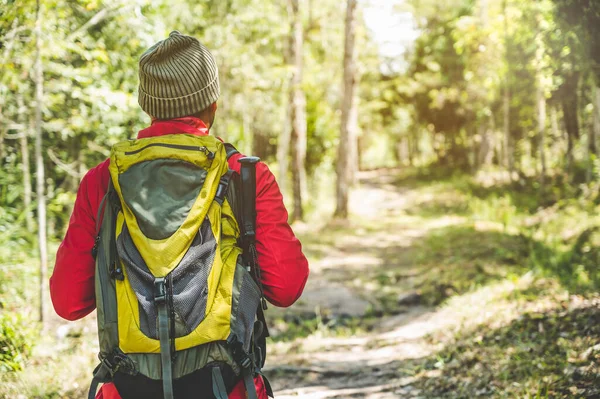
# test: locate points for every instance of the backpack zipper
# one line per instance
(204, 149)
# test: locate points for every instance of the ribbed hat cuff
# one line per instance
(169, 108)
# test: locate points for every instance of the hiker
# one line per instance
(154, 243)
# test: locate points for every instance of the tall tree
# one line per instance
(25, 164)
(508, 155)
(579, 21)
(298, 112)
(283, 141)
(596, 119)
(39, 161)
(348, 130)
(541, 100)
(485, 152)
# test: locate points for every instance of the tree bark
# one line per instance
(283, 148)
(298, 114)
(595, 131)
(483, 12)
(554, 123)
(41, 198)
(283, 142)
(569, 106)
(484, 146)
(508, 158)
(2, 132)
(592, 130)
(569, 101)
(347, 145)
(541, 100)
(25, 165)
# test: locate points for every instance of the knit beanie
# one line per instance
(178, 77)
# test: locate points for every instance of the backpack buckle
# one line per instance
(116, 272)
(160, 290)
(239, 354)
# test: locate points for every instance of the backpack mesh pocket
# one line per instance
(190, 279)
(188, 287)
(142, 282)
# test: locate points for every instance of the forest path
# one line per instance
(363, 269)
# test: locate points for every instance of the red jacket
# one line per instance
(284, 268)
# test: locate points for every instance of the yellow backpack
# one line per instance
(175, 294)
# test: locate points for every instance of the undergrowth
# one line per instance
(555, 229)
(549, 354)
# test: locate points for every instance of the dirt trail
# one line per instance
(381, 236)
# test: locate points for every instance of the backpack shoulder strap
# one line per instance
(230, 150)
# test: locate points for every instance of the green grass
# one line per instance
(554, 354)
(554, 230)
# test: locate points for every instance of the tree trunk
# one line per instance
(541, 100)
(486, 151)
(2, 132)
(569, 101)
(41, 199)
(353, 135)
(283, 147)
(347, 146)
(571, 127)
(483, 12)
(555, 134)
(298, 113)
(283, 142)
(569, 154)
(410, 150)
(590, 147)
(25, 165)
(554, 123)
(484, 146)
(595, 131)
(508, 158)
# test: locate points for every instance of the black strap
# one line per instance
(230, 150)
(102, 373)
(93, 388)
(248, 227)
(248, 176)
(160, 300)
(112, 199)
(223, 185)
(249, 383)
(219, 389)
(98, 224)
(100, 216)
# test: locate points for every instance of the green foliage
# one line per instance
(15, 343)
(541, 354)
(577, 266)
(583, 16)
(517, 225)
(470, 56)
(453, 266)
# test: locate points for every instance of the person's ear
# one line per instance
(213, 107)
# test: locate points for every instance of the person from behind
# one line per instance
(162, 241)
